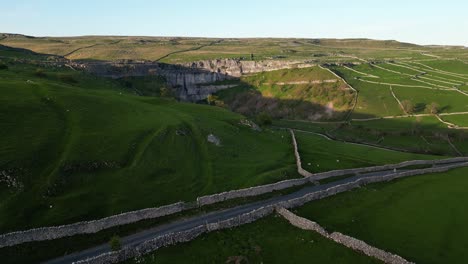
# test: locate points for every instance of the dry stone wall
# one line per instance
(363, 181)
(301, 222)
(259, 190)
(249, 192)
(339, 238)
(328, 174)
(88, 227)
(173, 238)
(177, 237)
(300, 170)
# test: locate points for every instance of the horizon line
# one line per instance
(217, 37)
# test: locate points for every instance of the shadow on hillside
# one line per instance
(191, 83)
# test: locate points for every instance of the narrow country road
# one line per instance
(212, 217)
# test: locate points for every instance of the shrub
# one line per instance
(115, 243)
(68, 78)
(220, 103)
(3, 66)
(166, 92)
(40, 73)
(211, 99)
(264, 119)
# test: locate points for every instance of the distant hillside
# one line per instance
(184, 49)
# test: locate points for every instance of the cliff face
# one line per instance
(191, 80)
(189, 84)
(237, 68)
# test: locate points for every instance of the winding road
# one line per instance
(213, 217)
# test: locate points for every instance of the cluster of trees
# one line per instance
(410, 108)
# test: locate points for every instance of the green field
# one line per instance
(425, 135)
(269, 240)
(319, 154)
(420, 218)
(75, 146)
(459, 120)
(298, 93)
(182, 49)
(373, 100)
(449, 101)
(88, 144)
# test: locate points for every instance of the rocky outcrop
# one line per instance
(189, 84)
(237, 68)
(213, 139)
(191, 81)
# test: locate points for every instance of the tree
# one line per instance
(115, 243)
(408, 106)
(433, 108)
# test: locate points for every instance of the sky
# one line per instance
(443, 22)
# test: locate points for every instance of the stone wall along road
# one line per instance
(350, 242)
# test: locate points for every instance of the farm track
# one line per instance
(191, 49)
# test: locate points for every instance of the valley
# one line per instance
(159, 140)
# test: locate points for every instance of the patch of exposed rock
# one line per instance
(250, 124)
(213, 139)
(237, 68)
(7, 177)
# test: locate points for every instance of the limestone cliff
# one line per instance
(191, 81)
(237, 68)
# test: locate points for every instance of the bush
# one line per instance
(166, 92)
(211, 99)
(264, 119)
(68, 78)
(3, 66)
(115, 243)
(40, 73)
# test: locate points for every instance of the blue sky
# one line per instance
(422, 22)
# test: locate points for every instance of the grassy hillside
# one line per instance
(178, 49)
(80, 147)
(319, 154)
(302, 93)
(420, 218)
